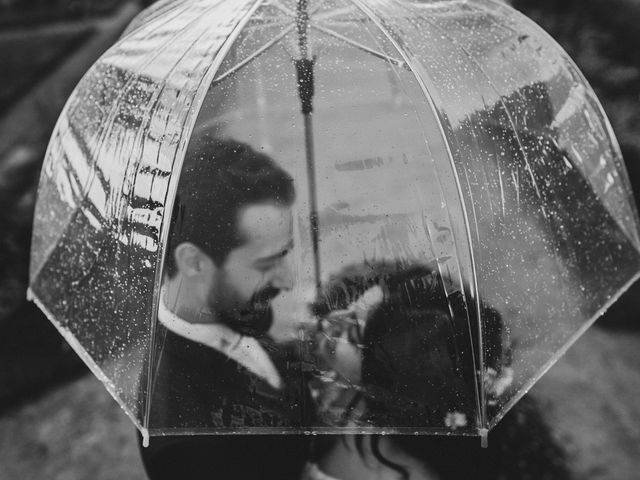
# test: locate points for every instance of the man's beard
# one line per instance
(254, 319)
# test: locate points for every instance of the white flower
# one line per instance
(371, 298)
(503, 381)
(454, 420)
(496, 384)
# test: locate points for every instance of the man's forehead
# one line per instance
(267, 224)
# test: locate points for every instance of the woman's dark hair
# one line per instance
(416, 369)
(408, 351)
(417, 355)
(219, 178)
(412, 371)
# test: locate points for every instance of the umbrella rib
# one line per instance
(339, 11)
(411, 65)
(284, 9)
(254, 55)
(312, 13)
(267, 23)
(327, 31)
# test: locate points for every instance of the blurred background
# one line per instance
(56, 419)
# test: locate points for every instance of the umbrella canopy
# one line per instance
(463, 171)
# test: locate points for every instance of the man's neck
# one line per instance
(182, 299)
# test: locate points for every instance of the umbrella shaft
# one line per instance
(313, 198)
(304, 69)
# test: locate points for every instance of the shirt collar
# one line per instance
(247, 351)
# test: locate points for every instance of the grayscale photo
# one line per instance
(319, 239)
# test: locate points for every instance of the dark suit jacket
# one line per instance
(195, 388)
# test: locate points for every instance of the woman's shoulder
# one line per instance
(367, 457)
(312, 472)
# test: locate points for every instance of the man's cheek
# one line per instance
(289, 313)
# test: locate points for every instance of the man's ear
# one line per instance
(189, 259)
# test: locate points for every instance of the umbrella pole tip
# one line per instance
(484, 437)
(145, 437)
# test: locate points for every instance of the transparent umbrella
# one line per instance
(461, 216)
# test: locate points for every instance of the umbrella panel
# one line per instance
(382, 221)
(103, 187)
(550, 214)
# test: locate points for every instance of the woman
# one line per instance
(415, 372)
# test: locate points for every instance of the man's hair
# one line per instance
(218, 179)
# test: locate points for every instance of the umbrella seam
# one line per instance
(365, 9)
(172, 188)
(139, 136)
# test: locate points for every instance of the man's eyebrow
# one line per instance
(287, 248)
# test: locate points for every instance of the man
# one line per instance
(215, 367)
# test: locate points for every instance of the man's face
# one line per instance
(256, 271)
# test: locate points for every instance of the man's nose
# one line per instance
(283, 275)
